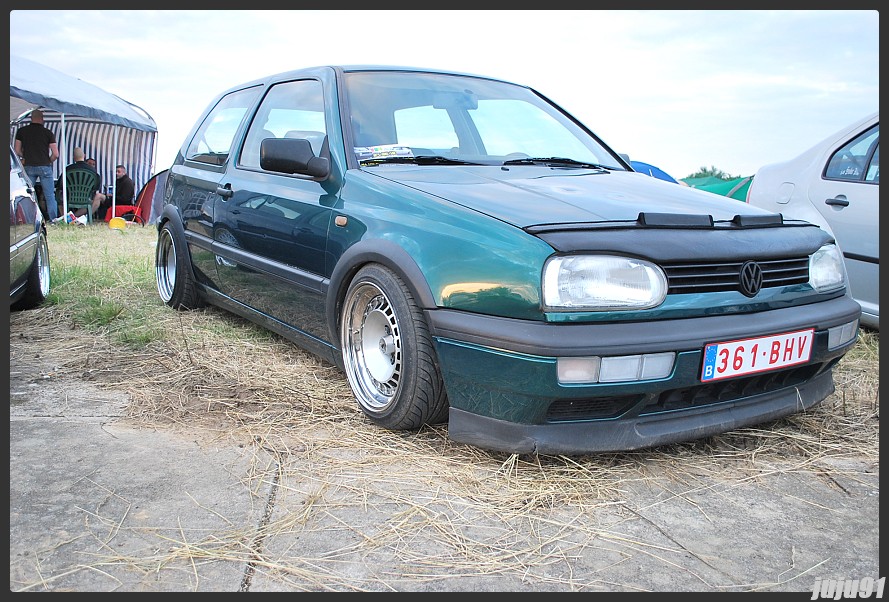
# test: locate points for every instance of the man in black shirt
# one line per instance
(36, 146)
(124, 187)
(124, 192)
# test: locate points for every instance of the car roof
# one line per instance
(308, 71)
(816, 149)
(856, 125)
(843, 133)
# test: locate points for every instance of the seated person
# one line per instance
(124, 194)
(97, 197)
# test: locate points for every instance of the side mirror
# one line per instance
(292, 155)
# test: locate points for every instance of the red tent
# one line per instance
(141, 212)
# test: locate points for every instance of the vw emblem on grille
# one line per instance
(751, 278)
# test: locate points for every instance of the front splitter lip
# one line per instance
(578, 438)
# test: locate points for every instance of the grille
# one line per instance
(725, 276)
(589, 409)
(732, 389)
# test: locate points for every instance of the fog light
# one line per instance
(636, 367)
(621, 368)
(577, 369)
(840, 335)
(657, 365)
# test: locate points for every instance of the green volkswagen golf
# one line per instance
(468, 252)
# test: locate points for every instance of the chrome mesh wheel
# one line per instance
(388, 352)
(372, 347)
(165, 265)
(43, 267)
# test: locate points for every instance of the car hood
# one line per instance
(532, 195)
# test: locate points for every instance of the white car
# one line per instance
(836, 184)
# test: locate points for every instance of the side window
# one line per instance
(855, 160)
(213, 140)
(17, 170)
(289, 110)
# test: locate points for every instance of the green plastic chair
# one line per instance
(81, 184)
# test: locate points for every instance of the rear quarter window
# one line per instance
(858, 160)
(212, 141)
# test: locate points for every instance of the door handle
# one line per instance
(838, 201)
(224, 191)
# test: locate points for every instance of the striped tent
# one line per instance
(110, 129)
(135, 148)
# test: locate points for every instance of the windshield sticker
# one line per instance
(383, 151)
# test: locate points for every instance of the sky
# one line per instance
(682, 90)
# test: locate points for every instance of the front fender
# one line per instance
(171, 215)
(385, 253)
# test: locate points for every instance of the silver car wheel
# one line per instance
(373, 354)
(43, 267)
(165, 269)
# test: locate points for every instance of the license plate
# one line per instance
(760, 354)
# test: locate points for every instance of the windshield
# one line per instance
(400, 117)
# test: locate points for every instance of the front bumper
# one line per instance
(500, 376)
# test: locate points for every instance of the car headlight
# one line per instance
(601, 283)
(826, 269)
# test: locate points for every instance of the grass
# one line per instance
(103, 281)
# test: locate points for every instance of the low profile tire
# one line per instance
(172, 266)
(37, 287)
(388, 354)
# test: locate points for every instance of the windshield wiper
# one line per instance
(418, 160)
(554, 161)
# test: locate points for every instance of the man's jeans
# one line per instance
(44, 172)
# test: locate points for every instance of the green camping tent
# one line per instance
(735, 188)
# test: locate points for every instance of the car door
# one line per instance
(271, 232)
(193, 184)
(847, 196)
